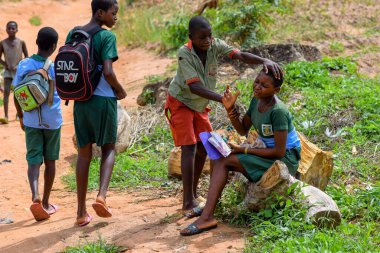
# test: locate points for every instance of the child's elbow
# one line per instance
(108, 73)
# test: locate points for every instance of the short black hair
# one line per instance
(46, 38)
(101, 5)
(198, 22)
(12, 22)
(276, 82)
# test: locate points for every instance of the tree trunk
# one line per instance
(322, 210)
(174, 164)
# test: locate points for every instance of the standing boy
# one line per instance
(189, 94)
(13, 48)
(42, 138)
(95, 120)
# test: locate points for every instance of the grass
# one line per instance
(100, 246)
(143, 165)
(334, 96)
(35, 20)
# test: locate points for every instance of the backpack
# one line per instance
(36, 88)
(77, 74)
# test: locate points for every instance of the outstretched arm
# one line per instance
(198, 89)
(278, 151)
(254, 59)
(24, 49)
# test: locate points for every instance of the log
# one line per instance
(321, 209)
(316, 165)
(174, 164)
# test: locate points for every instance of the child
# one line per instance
(95, 120)
(13, 48)
(42, 140)
(189, 94)
(273, 122)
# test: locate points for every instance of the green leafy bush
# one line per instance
(239, 21)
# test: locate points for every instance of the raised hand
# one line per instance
(229, 99)
(274, 68)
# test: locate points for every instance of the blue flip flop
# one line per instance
(192, 229)
(195, 212)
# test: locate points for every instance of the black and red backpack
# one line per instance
(77, 73)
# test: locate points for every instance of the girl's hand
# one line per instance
(236, 149)
(229, 99)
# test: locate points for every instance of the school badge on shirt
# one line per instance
(267, 129)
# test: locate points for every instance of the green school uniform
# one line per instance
(275, 119)
(42, 144)
(191, 69)
(95, 120)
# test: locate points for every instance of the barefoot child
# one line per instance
(273, 122)
(13, 48)
(187, 103)
(95, 120)
(42, 140)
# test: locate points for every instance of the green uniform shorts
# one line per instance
(42, 144)
(256, 165)
(95, 121)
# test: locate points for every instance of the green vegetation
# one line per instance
(166, 23)
(100, 246)
(334, 96)
(35, 20)
(143, 164)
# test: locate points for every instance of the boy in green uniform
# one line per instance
(42, 138)
(95, 120)
(273, 122)
(189, 94)
(13, 48)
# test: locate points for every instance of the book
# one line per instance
(215, 146)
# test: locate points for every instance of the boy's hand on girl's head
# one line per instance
(274, 68)
(236, 149)
(229, 99)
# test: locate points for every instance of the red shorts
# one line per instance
(185, 124)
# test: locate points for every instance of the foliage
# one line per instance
(144, 164)
(140, 26)
(100, 246)
(35, 20)
(239, 21)
(328, 94)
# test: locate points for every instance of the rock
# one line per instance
(154, 93)
(123, 133)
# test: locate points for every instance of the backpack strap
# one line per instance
(50, 97)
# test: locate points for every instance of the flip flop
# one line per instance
(195, 212)
(86, 221)
(39, 212)
(102, 210)
(192, 229)
(200, 199)
(55, 209)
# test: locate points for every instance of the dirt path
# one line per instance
(139, 221)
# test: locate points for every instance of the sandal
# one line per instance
(55, 209)
(102, 210)
(195, 212)
(192, 229)
(86, 221)
(39, 213)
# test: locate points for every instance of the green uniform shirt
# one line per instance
(191, 69)
(276, 118)
(104, 43)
